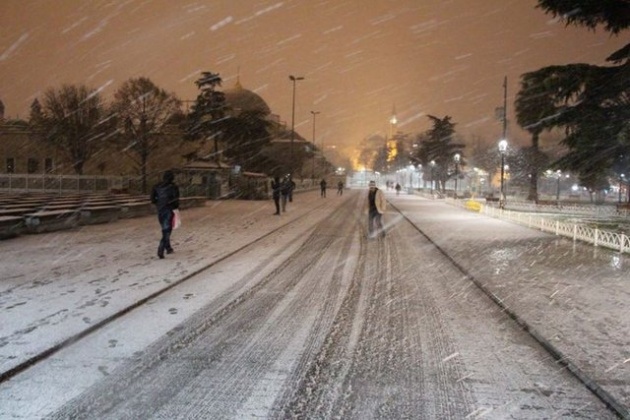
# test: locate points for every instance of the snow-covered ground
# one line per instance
(311, 319)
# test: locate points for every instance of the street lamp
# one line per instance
(558, 175)
(294, 79)
(502, 148)
(432, 166)
(457, 158)
(314, 115)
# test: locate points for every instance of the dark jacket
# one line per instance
(287, 187)
(276, 186)
(165, 195)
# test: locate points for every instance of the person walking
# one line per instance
(376, 209)
(340, 188)
(291, 188)
(322, 186)
(398, 188)
(276, 187)
(286, 190)
(165, 196)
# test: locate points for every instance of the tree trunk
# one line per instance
(78, 167)
(144, 158)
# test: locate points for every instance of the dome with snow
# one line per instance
(241, 99)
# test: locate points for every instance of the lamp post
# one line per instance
(294, 79)
(457, 158)
(314, 113)
(432, 166)
(558, 175)
(502, 150)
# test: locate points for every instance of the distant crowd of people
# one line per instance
(323, 185)
(165, 196)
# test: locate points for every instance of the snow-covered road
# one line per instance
(310, 321)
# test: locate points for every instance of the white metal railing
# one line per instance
(607, 209)
(612, 240)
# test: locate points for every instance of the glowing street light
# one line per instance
(294, 79)
(502, 149)
(558, 175)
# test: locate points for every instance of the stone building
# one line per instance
(22, 152)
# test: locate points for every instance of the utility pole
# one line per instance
(504, 108)
(294, 79)
(314, 115)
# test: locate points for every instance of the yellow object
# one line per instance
(473, 205)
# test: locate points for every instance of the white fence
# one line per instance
(608, 209)
(617, 241)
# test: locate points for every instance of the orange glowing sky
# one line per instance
(358, 57)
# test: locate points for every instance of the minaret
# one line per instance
(392, 123)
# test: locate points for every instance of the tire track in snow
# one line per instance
(251, 331)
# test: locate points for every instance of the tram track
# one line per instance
(336, 325)
(561, 359)
(99, 325)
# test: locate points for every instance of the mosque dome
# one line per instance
(242, 99)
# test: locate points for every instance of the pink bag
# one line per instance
(177, 219)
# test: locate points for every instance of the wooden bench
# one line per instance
(136, 209)
(17, 211)
(188, 202)
(11, 226)
(99, 214)
(55, 207)
(22, 206)
(49, 221)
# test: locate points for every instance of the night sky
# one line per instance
(359, 58)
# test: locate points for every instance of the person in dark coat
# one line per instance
(286, 189)
(322, 187)
(276, 187)
(165, 196)
(291, 188)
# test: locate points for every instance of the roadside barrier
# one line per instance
(597, 237)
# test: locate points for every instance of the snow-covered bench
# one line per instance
(136, 209)
(188, 202)
(99, 214)
(48, 221)
(10, 226)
